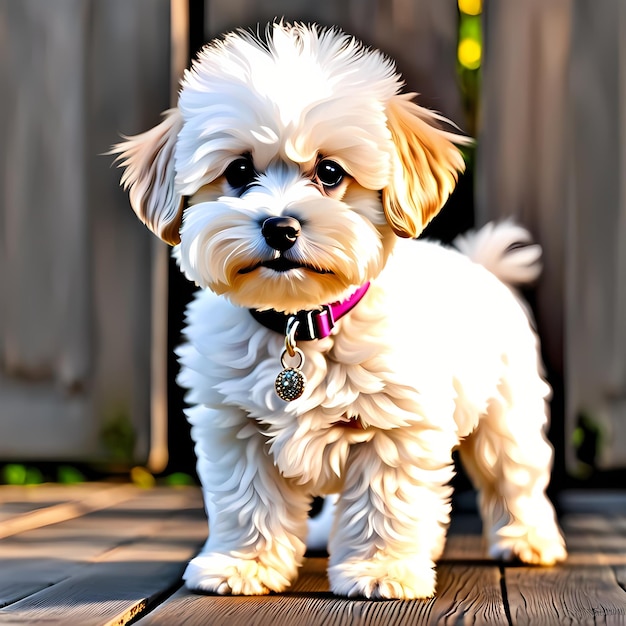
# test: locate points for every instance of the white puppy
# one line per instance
(326, 351)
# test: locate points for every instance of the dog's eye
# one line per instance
(329, 173)
(240, 173)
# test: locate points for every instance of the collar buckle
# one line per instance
(320, 323)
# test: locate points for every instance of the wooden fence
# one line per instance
(76, 270)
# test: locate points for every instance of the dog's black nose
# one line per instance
(280, 233)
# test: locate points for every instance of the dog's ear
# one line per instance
(425, 165)
(148, 162)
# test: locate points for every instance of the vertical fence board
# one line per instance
(75, 263)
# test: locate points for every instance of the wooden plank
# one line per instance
(594, 539)
(465, 548)
(47, 492)
(585, 590)
(565, 595)
(591, 247)
(65, 270)
(26, 509)
(122, 562)
(620, 575)
(469, 593)
(585, 501)
(46, 556)
(117, 586)
(465, 541)
(17, 500)
(466, 594)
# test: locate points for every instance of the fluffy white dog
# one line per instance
(326, 351)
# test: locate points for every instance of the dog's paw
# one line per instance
(384, 579)
(226, 575)
(530, 548)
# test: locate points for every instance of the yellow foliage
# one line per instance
(469, 53)
(471, 7)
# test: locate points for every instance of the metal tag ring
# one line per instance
(296, 351)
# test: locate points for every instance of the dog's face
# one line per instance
(288, 167)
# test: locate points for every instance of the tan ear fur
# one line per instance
(425, 166)
(148, 160)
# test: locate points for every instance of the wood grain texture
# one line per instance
(128, 553)
(565, 595)
(117, 585)
(466, 594)
(589, 587)
(35, 513)
(123, 563)
(76, 268)
(17, 499)
(594, 539)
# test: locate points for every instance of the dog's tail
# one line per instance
(506, 250)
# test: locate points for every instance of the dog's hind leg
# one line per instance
(509, 459)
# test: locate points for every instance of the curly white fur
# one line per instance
(438, 354)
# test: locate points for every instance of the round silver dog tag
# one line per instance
(290, 383)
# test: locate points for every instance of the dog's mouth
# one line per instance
(283, 264)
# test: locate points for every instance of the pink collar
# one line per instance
(313, 324)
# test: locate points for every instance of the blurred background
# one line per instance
(91, 307)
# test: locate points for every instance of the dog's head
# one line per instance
(289, 166)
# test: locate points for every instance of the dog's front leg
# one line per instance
(392, 516)
(257, 519)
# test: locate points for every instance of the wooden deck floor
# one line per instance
(114, 554)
